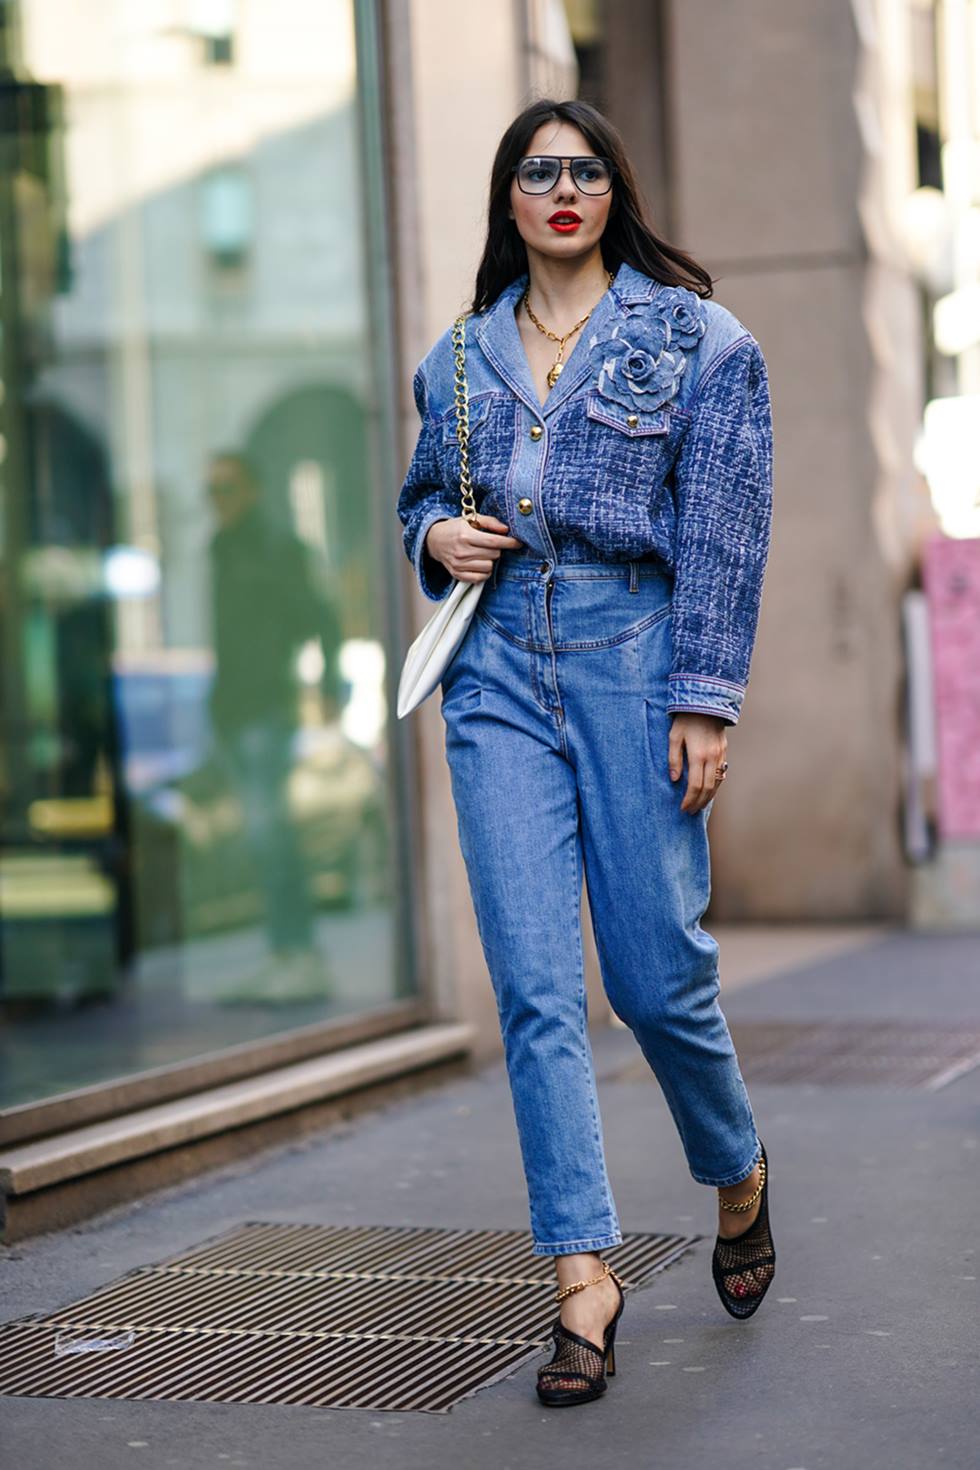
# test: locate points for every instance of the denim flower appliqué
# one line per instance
(643, 358)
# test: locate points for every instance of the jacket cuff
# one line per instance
(434, 579)
(695, 694)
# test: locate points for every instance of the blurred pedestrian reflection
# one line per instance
(265, 608)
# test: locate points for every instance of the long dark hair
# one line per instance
(628, 235)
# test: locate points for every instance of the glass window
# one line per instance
(195, 836)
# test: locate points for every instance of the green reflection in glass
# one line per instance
(195, 848)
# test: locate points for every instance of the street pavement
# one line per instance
(863, 1356)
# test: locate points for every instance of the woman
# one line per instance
(620, 450)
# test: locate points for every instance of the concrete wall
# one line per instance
(775, 148)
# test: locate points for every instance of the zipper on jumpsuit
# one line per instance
(549, 586)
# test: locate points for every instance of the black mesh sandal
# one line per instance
(576, 1359)
(743, 1265)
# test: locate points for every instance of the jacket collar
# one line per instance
(497, 333)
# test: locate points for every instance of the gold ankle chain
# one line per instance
(607, 1270)
(746, 1204)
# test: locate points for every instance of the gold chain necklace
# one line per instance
(555, 370)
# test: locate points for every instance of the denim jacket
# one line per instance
(654, 444)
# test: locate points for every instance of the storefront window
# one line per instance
(195, 830)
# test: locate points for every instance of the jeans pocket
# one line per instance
(460, 695)
(658, 735)
(653, 645)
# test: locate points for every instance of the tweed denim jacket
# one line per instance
(655, 443)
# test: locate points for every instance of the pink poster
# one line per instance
(951, 578)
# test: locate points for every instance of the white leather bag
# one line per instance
(429, 655)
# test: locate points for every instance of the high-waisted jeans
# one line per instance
(557, 742)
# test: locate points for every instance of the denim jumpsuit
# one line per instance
(641, 491)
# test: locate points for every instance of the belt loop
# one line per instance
(634, 576)
(493, 580)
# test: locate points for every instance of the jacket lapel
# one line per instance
(500, 341)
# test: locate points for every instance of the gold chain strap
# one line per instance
(461, 399)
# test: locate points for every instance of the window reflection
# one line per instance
(266, 609)
(194, 841)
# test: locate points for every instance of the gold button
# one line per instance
(632, 420)
(524, 506)
(536, 431)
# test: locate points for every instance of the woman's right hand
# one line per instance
(469, 552)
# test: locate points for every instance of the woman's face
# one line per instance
(532, 212)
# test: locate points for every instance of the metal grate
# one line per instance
(845, 1053)
(372, 1317)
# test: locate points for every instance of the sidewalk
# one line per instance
(863, 1356)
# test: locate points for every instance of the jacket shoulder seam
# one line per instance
(421, 377)
(717, 360)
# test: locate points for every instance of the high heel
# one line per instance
(575, 1356)
(752, 1251)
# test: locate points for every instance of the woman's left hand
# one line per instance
(704, 739)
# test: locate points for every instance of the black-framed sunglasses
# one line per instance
(540, 172)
